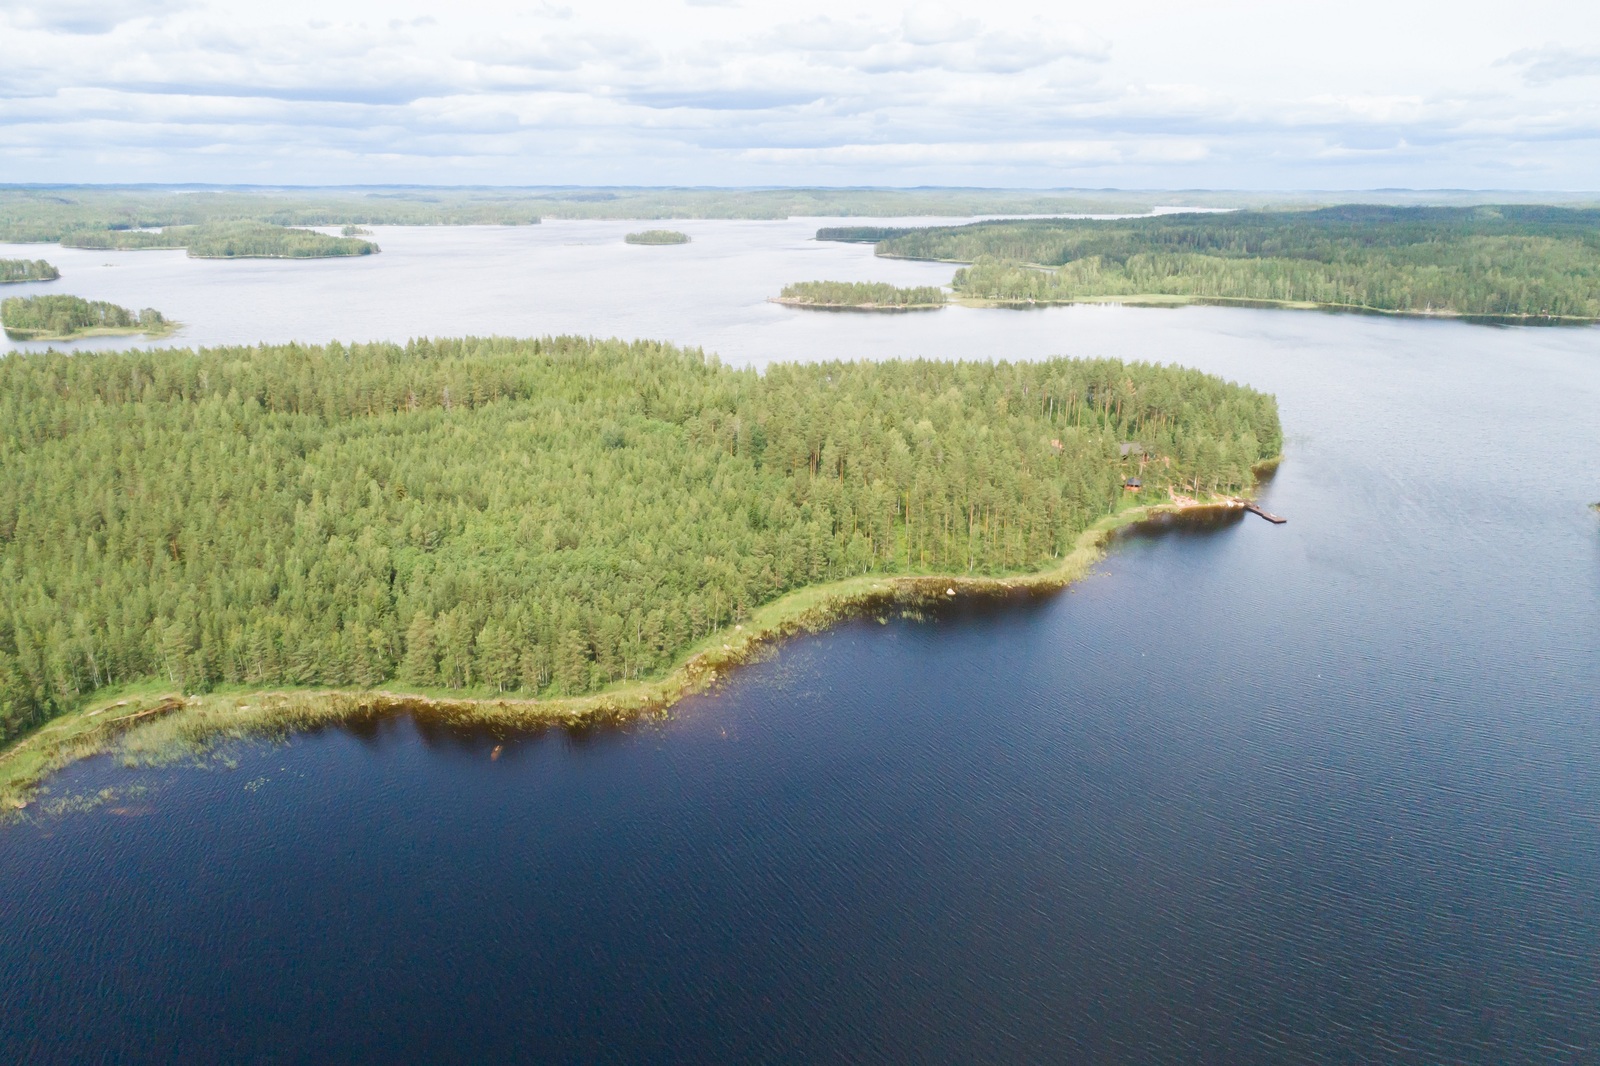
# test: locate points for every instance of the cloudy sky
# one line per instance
(1137, 93)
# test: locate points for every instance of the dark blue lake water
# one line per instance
(1322, 792)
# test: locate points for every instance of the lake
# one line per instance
(1326, 792)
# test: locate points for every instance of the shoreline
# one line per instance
(1157, 299)
(99, 331)
(154, 725)
(789, 301)
(331, 255)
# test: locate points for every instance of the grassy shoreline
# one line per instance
(789, 301)
(165, 330)
(148, 723)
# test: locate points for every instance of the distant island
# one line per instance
(59, 318)
(354, 231)
(862, 296)
(226, 240)
(27, 270)
(1504, 263)
(402, 523)
(657, 236)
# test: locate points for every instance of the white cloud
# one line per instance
(84, 16)
(1158, 93)
(939, 24)
(1541, 66)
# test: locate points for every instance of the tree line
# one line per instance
(541, 516)
(1508, 261)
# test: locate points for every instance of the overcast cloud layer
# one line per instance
(1147, 93)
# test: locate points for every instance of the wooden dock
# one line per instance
(1268, 515)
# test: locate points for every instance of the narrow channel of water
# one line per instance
(1321, 792)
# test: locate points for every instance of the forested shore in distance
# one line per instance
(1501, 262)
(49, 212)
(226, 240)
(546, 519)
(14, 270)
(62, 317)
(861, 295)
(656, 236)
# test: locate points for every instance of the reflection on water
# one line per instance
(1321, 792)
(1198, 522)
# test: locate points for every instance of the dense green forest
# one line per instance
(226, 240)
(27, 270)
(545, 516)
(657, 236)
(60, 317)
(1504, 261)
(861, 294)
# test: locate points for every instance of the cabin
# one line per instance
(1132, 484)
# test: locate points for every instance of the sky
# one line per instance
(1148, 94)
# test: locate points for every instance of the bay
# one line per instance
(1322, 792)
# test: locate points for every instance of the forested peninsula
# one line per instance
(226, 240)
(538, 518)
(657, 236)
(27, 270)
(1509, 262)
(862, 296)
(59, 318)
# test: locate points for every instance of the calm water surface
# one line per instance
(1321, 792)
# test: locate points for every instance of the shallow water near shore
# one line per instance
(1322, 792)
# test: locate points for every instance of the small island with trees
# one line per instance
(60, 318)
(27, 270)
(226, 240)
(862, 296)
(544, 530)
(657, 236)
